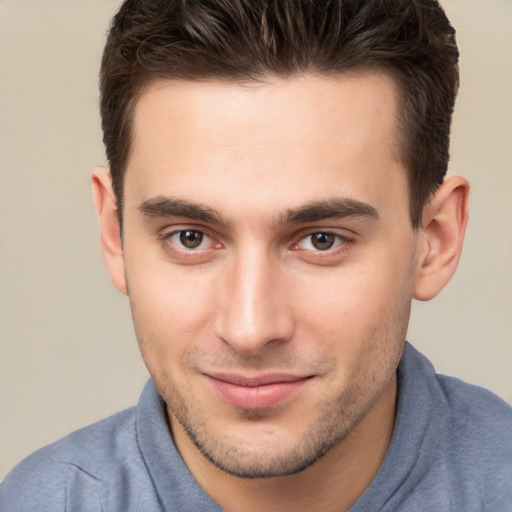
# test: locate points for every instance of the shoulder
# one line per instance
(476, 416)
(473, 410)
(477, 440)
(463, 435)
(476, 407)
(85, 459)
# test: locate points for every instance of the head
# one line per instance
(242, 41)
(278, 168)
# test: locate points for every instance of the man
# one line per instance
(275, 200)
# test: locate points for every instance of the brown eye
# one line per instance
(190, 238)
(322, 241)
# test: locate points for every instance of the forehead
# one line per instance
(206, 140)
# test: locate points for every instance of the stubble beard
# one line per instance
(338, 417)
(249, 460)
(242, 461)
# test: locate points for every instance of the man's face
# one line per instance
(270, 261)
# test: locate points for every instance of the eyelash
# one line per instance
(342, 242)
(341, 239)
(171, 248)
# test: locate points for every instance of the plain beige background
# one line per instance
(68, 355)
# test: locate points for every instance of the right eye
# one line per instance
(189, 239)
(189, 245)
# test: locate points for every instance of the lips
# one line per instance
(259, 392)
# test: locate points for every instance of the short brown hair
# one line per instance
(246, 40)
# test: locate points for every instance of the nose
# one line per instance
(253, 310)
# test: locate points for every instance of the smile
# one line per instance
(261, 392)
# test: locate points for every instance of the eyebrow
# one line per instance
(335, 208)
(170, 207)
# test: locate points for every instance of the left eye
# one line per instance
(320, 241)
(190, 239)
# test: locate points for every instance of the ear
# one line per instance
(440, 242)
(110, 229)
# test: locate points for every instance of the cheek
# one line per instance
(350, 305)
(169, 307)
(360, 320)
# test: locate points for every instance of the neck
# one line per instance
(333, 483)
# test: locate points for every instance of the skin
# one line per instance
(263, 172)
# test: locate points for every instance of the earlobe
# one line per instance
(110, 230)
(442, 233)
